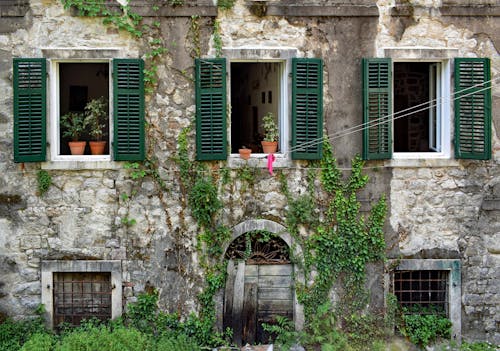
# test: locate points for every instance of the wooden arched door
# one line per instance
(259, 285)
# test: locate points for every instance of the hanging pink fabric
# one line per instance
(270, 160)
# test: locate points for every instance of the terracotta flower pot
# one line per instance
(245, 153)
(77, 147)
(97, 147)
(269, 147)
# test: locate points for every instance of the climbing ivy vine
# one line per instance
(123, 18)
(343, 242)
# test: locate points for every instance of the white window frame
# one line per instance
(54, 113)
(104, 266)
(443, 111)
(266, 54)
(283, 108)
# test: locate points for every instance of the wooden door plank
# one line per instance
(228, 295)
(284, 293)
(275, 281)
(276, 269)
(239, 290)
(249, 315)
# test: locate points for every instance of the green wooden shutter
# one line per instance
(30, 95)
(377, 108)
(472, 108)
(307, 108)
(211, 133)
(128, 109)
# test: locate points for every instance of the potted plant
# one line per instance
(96, 115)
(271, 133)
(245, 152)
(73, 125)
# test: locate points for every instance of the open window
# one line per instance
(73, 84)
(417, 107)
(258, 87)
(255, 92)
(79, 84)
(407, 109)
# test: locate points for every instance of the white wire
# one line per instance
(392, 116)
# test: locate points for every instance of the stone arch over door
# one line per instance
(261, 286)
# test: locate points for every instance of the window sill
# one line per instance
(419, 162)
(81, 163)
(258, 161)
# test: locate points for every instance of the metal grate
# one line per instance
(422, 290)
(79, 296)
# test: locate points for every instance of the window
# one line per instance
(79, 296)
(73, 84)
(253, 85)
(406, 109)
(77, 290)
(422, 289)
(433, 284)
(79, 83)
(258, 87)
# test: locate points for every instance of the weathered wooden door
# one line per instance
(256, 294)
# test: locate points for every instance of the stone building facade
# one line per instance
(443, 205)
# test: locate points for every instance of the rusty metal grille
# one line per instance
(422, 290)
(259, 247)
(79, 296)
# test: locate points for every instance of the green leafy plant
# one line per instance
(225, 4)
(73, 125)
(270, 126)
(424, 326)
(177, 343)
(143, 313)
(96, 114)
(282, 332)
(128, 222)
(204, 201)
(13, 334)
(44, 181)
(40, 342)
(217, 39)
(476, 346)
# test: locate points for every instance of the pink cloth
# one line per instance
(270, 160)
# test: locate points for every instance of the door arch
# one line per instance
(260, 280)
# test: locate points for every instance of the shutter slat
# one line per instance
(128, 90)
(307, 108)
(211, 134)
(30, 97)
(472, 108)
(377, 109)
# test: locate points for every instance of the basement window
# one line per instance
(76, 290)
(81, 296)
(432, 285)
(422, 290)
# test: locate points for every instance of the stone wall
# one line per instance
(443, 209)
